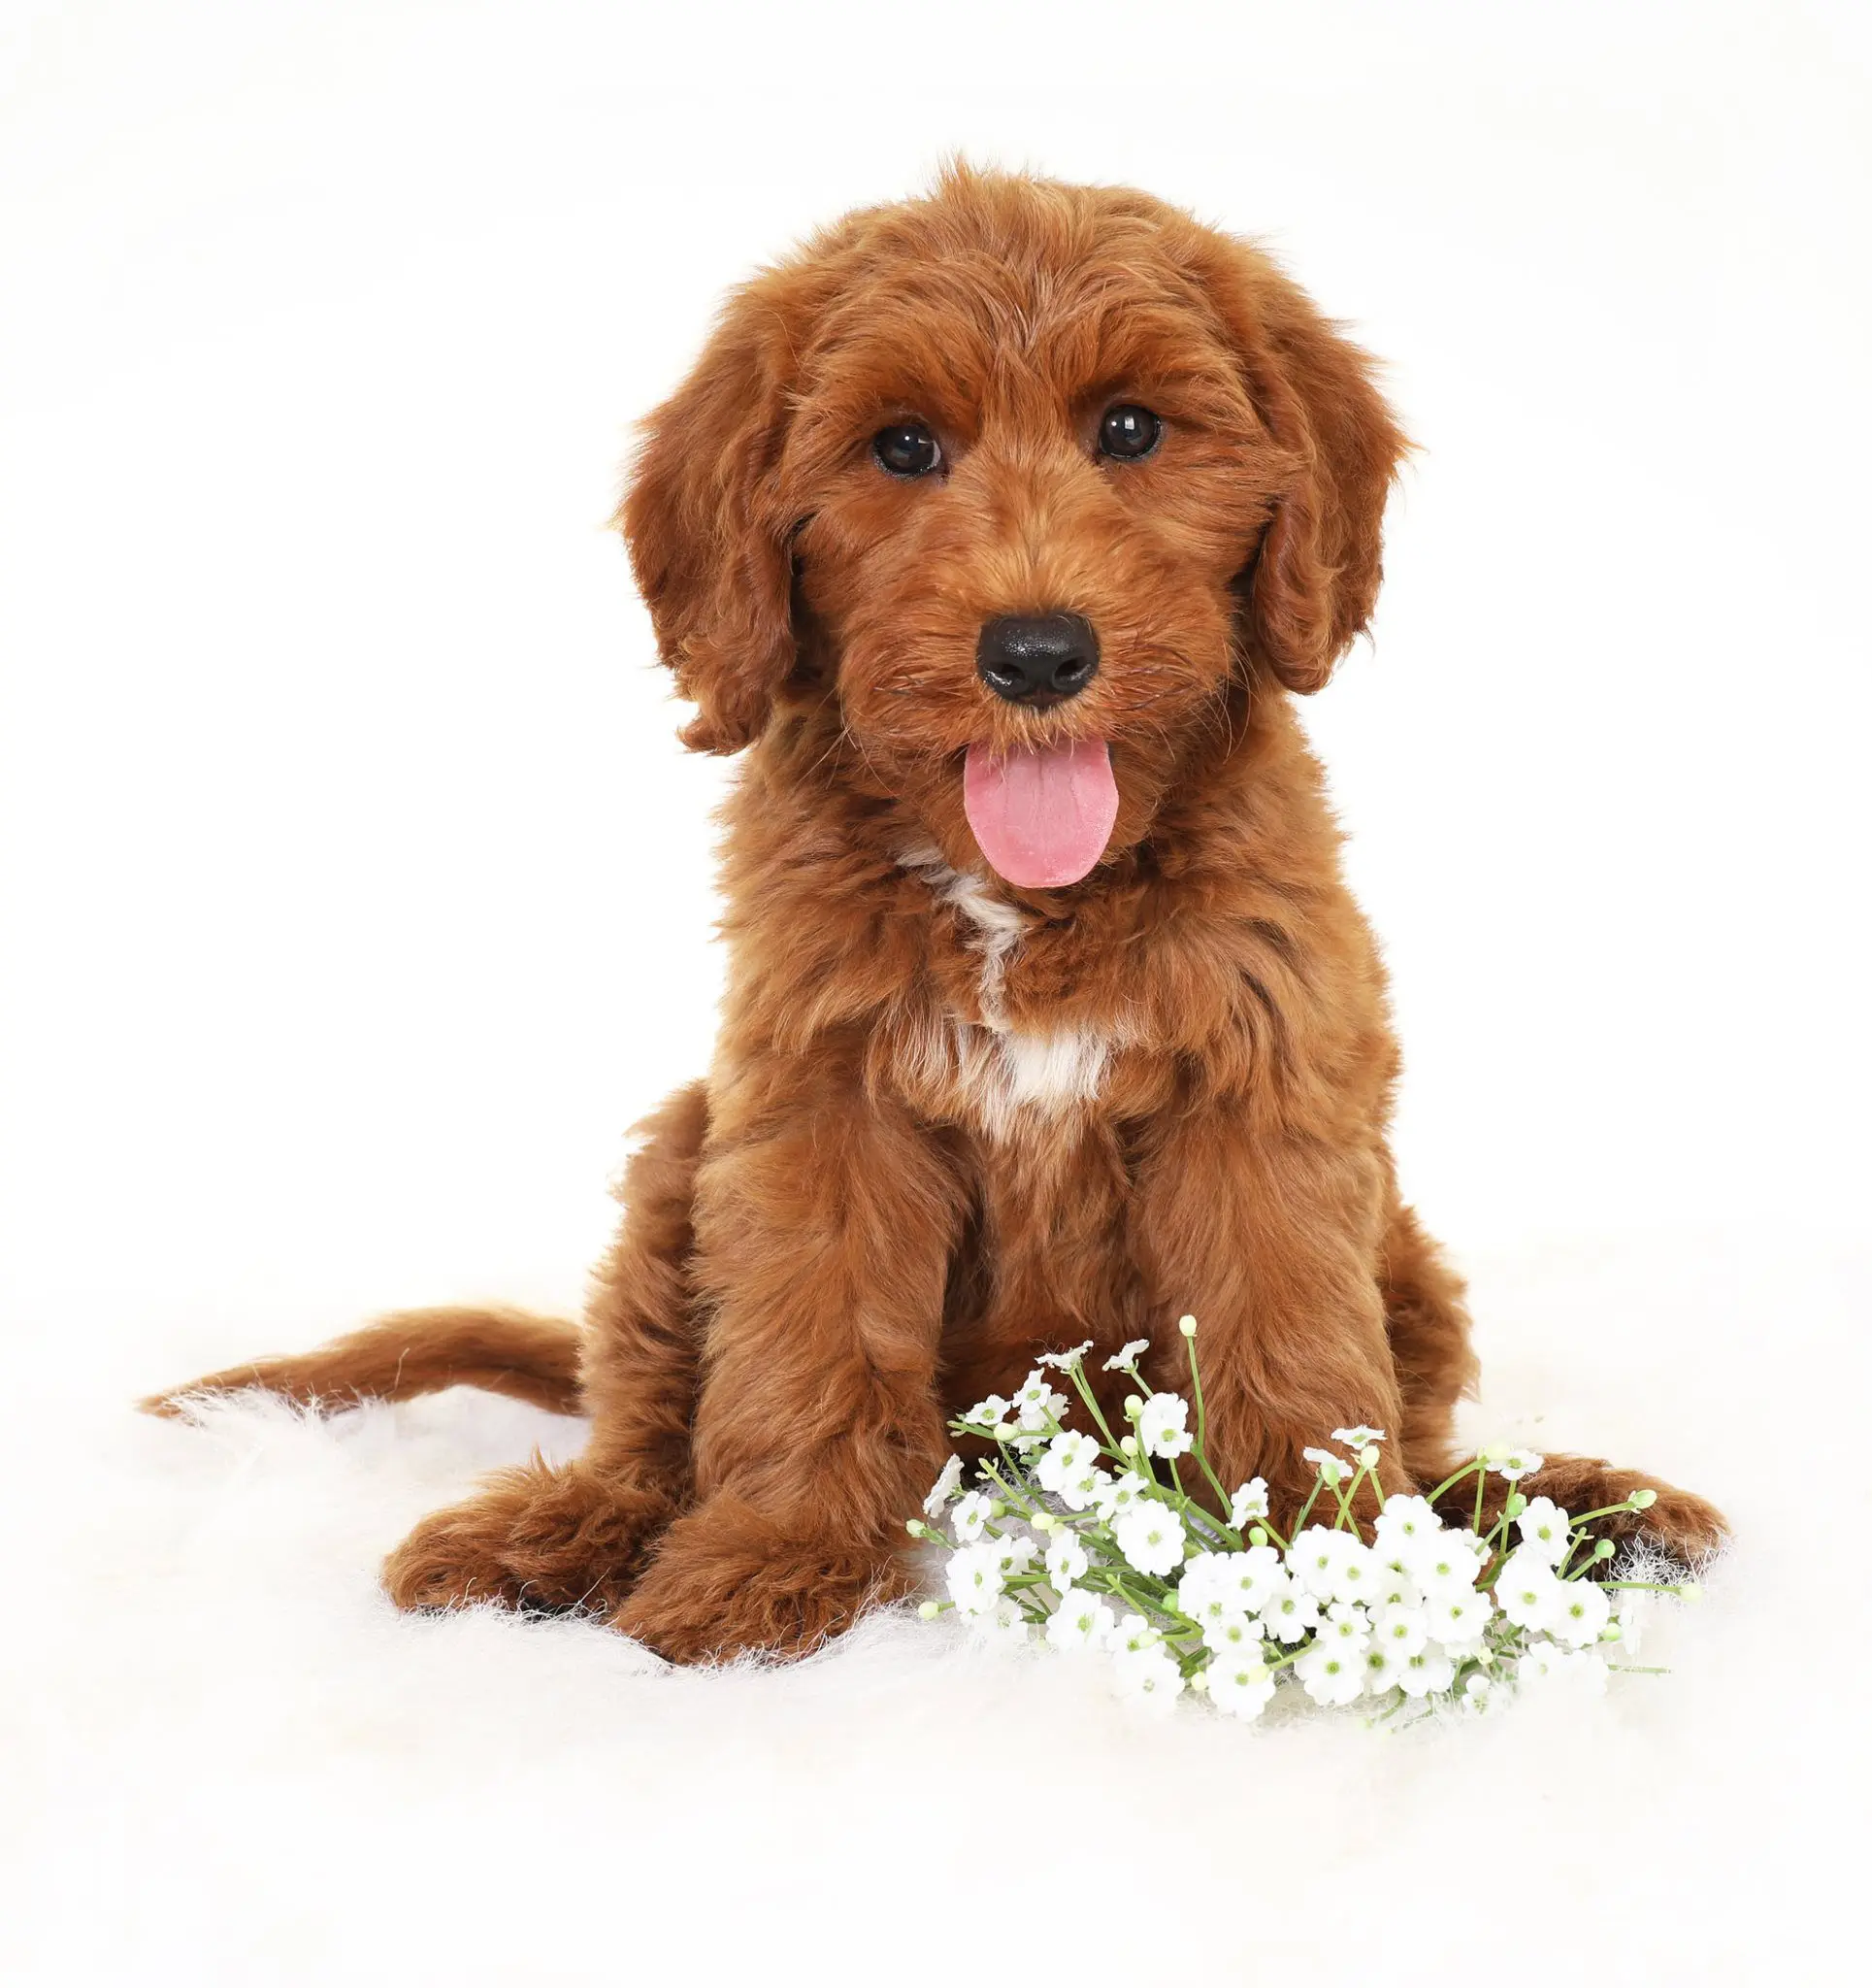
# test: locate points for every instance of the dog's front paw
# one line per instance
(545, 1541)
(726, 1583)
(1686, 1526)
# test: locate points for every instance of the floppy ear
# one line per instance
(707, 530)
(1315, 577)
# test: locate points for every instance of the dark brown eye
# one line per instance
(1129, 432)
(906, 448)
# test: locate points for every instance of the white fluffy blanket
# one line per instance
(229, 1760)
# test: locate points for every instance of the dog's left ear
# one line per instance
(705, 526)
(1315, 577)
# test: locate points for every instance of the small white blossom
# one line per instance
(1150, 1535)
(973, 1511)
(1476, 1688)
(974, 1576)
(1250, 1502)
(1430, 1669)
(1394, 1585)
(1527, 1591)
(1037, 1405)
(1149, 1678)
(1401, 1631)
(1358, 1437)
(1381, 1669)
(1329, 1466)
(991, 1414)
(1130, 1635)
(945, 1487)
(1018, 1554)
(1068, 1456)
(1127, 1355)
(1547, 1665)
(1002, 1623)
(1329, 1674)
(1316, 1557)
(1447, 1563)
(1065, 1561)
(1582, 1613)
(1347, 1627)
(1081, 1621)
(1119, 1495)
(1161, 1426)
(1289, 1611)
(1405, 1523)
(1065, 1362)
(1514, 1464)
(1456, 1620)
(1241, 1686)
(1545, 1529)
(1229, 1636)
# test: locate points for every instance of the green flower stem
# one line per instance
(1201, 1432)
(1299, 1523)
(1450, 1484)
(1481, 1488)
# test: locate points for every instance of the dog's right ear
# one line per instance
(704, 523)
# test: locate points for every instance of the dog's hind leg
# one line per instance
(1428, 1327)
(576, 1536)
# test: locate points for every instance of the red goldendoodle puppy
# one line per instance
(997, 528)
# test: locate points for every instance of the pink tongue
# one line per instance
(1043, 817)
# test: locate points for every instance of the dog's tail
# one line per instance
(410, 1353)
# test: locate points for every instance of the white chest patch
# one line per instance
(994, 1073)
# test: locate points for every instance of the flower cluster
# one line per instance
(1097, 1545)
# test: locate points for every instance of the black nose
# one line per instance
(1038, 659)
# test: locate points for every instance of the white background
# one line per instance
(356, 894)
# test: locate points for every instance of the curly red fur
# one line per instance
(951, 1122)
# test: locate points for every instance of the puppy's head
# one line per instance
(1025, 476)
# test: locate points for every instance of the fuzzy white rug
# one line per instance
(229, 1760)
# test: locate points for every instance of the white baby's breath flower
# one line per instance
(1161, 1426)
(1581, 1614)
(1003, 1622)
(1150, 1537)
(1457, 1619)
(1249, 1503)
(945, 1487)
(1446, 1561)
(1347, 1626)
(1329, 1674)
(1394, 1585)
(973, 1511)
(1513, 1462)
(1527, 1591)
(1289, 1611)
(1477, 1687)
(1018, 1552)
(1081, 1621)
(1127, 1355)
(1069, 1454)
(1381, 1669)
(1229, 1636)
(1547, 1665)
(1202, 1593)
(1358, 1438)
(974, 1576)
(1400, 1630)
(1149, 1678)
(1128, 1634)
(1241, 1686)
(1119, 1495)
(1314, 1559)
(1065, 1362)
(1403, 1523)
(1430, 1669)
(1330, 1466)
(1084, 1487)
(991, 1413)
(1066, 1560)
(1545, 1529)
(1037, 1404)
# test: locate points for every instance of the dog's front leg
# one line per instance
(825, 1224)
(1269, 1239)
